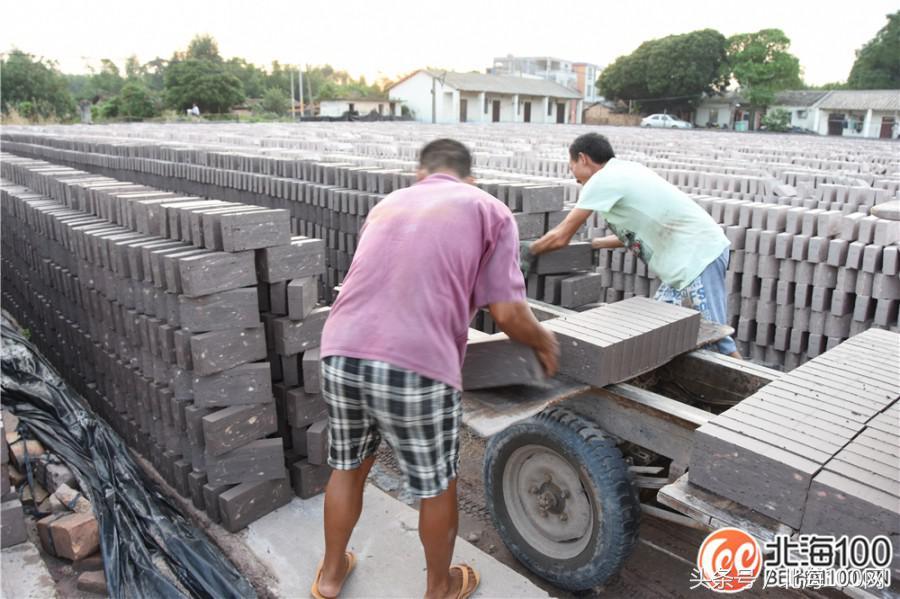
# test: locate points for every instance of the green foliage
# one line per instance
(252, 78)
(34, 87)
(275, 101)
(203, 47)
(196, 74)
(877, 63)
(202, 81)
(138, 102)
(762, 65)
(777, 120)
(669, 72)
(109, 109)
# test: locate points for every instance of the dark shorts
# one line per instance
(419, 417)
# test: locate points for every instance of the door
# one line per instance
(887, 127)
(527, 112)
(835, 124)
(495, 111)
(560, 113)
(463, 109)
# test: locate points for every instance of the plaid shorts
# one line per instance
(419, 417)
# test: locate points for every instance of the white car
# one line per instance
(666, 121)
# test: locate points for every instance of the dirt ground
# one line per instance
(660, 566)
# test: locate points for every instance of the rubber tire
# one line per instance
(605, 476)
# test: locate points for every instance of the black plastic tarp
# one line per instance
(139, 528)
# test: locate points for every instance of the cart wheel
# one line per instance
(561, 497)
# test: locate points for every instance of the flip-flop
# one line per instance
(464, 591)
(314, 591)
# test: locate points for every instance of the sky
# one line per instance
(395, 37)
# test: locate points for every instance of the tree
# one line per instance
(36, 86)
(138, 102)
(204, 47)
(252, 78)
(877, 63)
(202, 81)
(777, 120)
(275, 101)
(155, 74)
(133, 68)
(673, 71)
(762, 65)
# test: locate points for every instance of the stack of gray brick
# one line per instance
(821, 294)
(619, 341)
(160, 327)
(822, 441)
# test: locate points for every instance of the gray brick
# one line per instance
(575, 256)
(255, 461)
(206, 274)
(254, 230)
(303, 257)
(311, 367)
(220, 350)
(230, 428)
(292, 337)
(237, 308)
(317, 442)
(308, 479)
(302, 295)
(248, 502)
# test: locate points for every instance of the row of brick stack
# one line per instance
(738, 190)
(800, 279)
(150, 302)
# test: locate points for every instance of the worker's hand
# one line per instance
(548, 352)
(527, 258)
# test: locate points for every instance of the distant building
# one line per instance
(586, 82)
(480, 98)
(361, 106)
(579, 76)
(859, 113)
(848, 113)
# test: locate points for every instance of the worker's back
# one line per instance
(427, 257)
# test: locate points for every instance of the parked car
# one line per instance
(666, 121)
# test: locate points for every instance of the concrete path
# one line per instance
(386, 540)
(23, 574)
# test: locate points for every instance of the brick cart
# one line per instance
(570, 467)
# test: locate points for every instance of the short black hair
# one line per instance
(594, 145)
(446, 154)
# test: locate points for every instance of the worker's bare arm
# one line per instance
(560, 235)
(606, 243)
(517, 320)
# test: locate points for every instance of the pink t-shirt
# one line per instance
(428, 257)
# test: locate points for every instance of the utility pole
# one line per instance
(293, 116)
(300, 81)
(309, 90)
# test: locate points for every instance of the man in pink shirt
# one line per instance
(392, 352)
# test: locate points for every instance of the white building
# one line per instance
(801, 105)
(543, 67)
(581, 76)
(859, 113)
(339, 107)
(480, 98)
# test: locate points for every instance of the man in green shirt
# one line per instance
(656, 221)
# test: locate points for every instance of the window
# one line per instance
(713, 117)
(549, 106)
(801, 114)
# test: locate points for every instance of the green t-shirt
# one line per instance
(655, 220)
